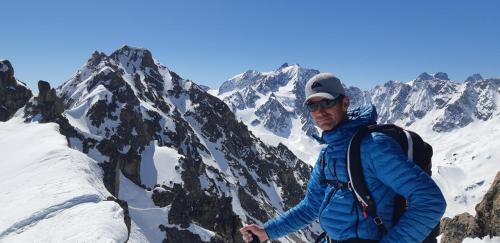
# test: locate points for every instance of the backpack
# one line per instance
(417, 150)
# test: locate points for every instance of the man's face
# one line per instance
(328, 118)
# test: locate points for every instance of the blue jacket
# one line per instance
(387, 172)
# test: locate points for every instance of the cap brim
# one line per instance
(321, 95)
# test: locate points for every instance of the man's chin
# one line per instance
(325, 127)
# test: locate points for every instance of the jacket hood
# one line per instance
(361, 116)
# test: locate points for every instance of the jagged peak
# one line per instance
(96, 58)
(126, 49)
(133, 54)
(391, 82)
(43, 87)
(250, 73)
(474, 77)
(284, 65)
(441, 76)
(424, 76)
(6, 67)
(287, 65)
(6, 73)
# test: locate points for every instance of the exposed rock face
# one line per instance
(46, 107)
(13, 93)
(222, 175)
(275, 117)
(281, 91)
(460, 227)
(453, 105)
(488, 210)
(486, 222)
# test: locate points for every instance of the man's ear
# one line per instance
(345, 103)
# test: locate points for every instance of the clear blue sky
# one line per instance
(363, 42)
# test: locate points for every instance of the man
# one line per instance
(386, 169)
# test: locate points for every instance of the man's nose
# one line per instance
(321, 110)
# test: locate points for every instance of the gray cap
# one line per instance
(324, 85)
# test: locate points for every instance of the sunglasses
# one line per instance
(324, 104)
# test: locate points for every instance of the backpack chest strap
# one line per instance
(335, 183)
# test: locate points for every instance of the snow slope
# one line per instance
(51, 193)
(465, 161)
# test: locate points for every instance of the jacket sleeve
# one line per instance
(303, 213)
(426, 202)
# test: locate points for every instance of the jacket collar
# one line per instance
(361, 116)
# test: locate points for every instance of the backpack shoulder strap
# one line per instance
(355, 170)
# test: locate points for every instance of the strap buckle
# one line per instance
(378, 221)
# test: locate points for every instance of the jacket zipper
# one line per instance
(329, 197)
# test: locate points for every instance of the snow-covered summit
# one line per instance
(446, 104)
(178, 148)
(474, 77)
(436, 76)
(265, 82)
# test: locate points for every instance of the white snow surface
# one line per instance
(158, 166)
(51, 193)
(146, 217)
(495, 239)
(465, 161)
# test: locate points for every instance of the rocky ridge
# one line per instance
(127, 104)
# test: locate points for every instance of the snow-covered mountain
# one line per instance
(449, 105)
(151, 157)
(270, 103)
(459, 119)
(186, 166)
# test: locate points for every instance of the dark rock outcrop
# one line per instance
(13, 93)
(460, 227)
(46, 107)
(488, 210)
(486, 222)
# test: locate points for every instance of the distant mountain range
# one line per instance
(186, 163)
